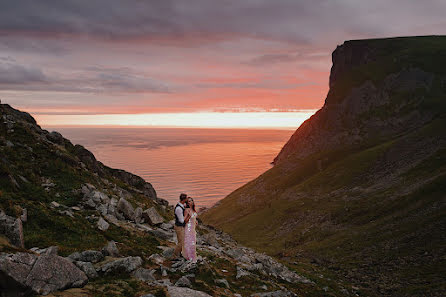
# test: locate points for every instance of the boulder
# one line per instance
(12, 228)
(126, 209)
(87, 256)
(185, 292)
(144, 275)
(102, 224)
(87, 268)
(138, 215)
(183, 282)
(110, 249)
(22, 274)
(152, 216)
(128, 265)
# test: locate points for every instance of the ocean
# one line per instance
(207, 164)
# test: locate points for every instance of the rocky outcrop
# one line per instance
(362, 108)
(12, 228)
(24, 273)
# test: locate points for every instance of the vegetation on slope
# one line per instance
(372, 213)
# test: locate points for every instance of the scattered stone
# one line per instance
(273, 294)
(210, 239)
(160, 233)
(24, 216)
(183, 282)
(75, 208)
(222, 282)
(152, 216)
(110, 249)
(138, 215)
(66, 213)
(102, 224)
(87, 256)
(241, 273)
(148, 295)
(166, 226)
(185, 292)
(156, 259)
(87, 268)
(168, 253)
(128, 265)
(112, 219)
(54, 204)
(126, 209)
(12, 228)
(144, 275)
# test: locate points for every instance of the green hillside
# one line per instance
(359, 190)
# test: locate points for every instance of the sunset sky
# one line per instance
(186, 63)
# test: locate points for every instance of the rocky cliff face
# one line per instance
(358, 192)
(378, 90)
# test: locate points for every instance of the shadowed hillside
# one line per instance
(359, 190)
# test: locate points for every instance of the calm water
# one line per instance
(207, 164)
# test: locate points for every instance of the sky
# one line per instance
(187, 63)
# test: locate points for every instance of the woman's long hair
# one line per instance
(193, 206)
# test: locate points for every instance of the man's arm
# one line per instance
(179, 213)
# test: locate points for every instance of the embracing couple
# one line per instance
(185, 222)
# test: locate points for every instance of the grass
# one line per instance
(342, 218)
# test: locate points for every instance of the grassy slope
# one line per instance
(375, 215)
(30, 161)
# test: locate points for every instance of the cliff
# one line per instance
(378, 90)
(358, 192)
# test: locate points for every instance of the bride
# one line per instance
(189, 231)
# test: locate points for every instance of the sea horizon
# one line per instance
(198, 161)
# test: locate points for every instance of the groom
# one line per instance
(179, 224)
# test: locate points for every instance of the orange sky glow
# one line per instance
(279, 120)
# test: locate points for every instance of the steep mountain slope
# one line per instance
(359, 189)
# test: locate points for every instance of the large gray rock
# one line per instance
(87, 256)
(22, 274)
(185, 292)
(110, 249)
(126, 209)
(152, 216)
(12, 228)
(128, 265)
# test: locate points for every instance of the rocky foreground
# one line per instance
(224, 268)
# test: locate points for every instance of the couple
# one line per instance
(185, 222)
